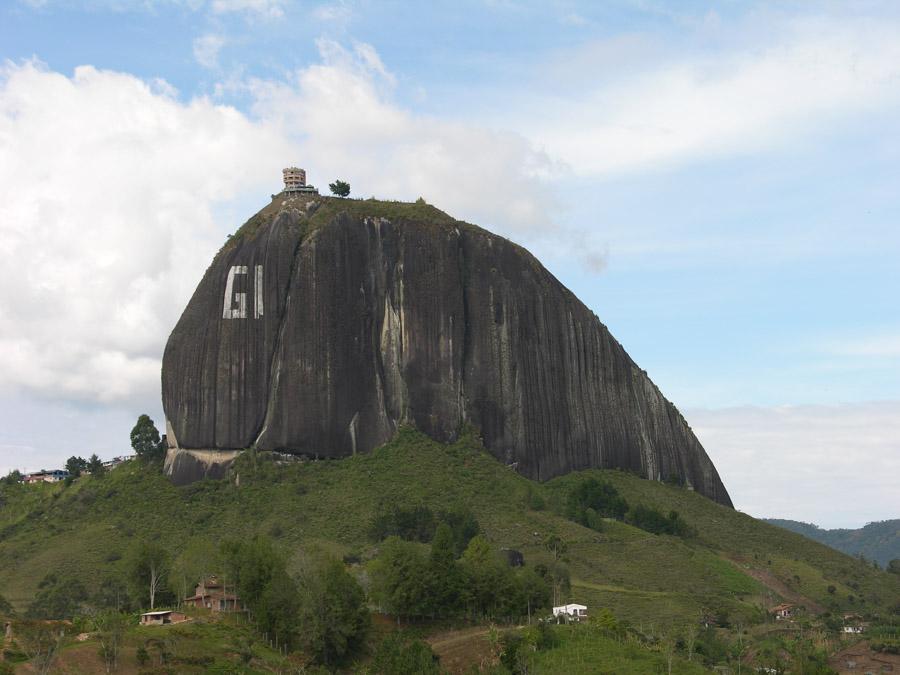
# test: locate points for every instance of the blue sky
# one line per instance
(716, 180)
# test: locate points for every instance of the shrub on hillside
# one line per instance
(652, 520)
(58, 597)
(592, 500)
(398, 656)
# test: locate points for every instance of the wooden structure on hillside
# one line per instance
(211, 594)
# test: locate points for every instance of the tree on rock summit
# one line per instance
(340, 188)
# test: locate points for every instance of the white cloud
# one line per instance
(347, 124)
(836, 466)
(106, 200)
(265, 8)
(337, 12)
(573, 19)
(798, 79)
(207, 48)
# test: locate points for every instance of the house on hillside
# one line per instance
(571, 613)
(211, 594)
(162, 617)
(44, 476)
(853, 624)
(116, 461)
(782, 612)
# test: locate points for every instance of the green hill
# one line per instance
(733, 567)
(878, 541)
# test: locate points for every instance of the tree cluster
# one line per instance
(326, 602)
(653, 520)
(75, 466)
(58, 597)
(589, 502)
(12, 478)
(419, 523)
(409, 582)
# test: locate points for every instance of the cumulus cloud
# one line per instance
(108, 196)
(337, 12)
(801, 462)
(207, 48)
(794, 80)
(107, 189)
(265, 8)
(345, 119)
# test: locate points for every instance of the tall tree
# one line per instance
(110, 627)
(399, 579)
(148, 565)
(41, 641)
(333, 613)
(95, 466)
(145, 440)
(13, 477)
(75, 465)
(444, 575)
(259, 571)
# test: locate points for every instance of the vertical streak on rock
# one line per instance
(274, 362)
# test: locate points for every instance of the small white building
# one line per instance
(853, 624)
(572, 612)
(162, 617)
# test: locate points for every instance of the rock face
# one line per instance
(320, 334)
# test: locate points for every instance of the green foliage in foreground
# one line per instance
(584, 650)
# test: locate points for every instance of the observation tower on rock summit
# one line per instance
(295, 182)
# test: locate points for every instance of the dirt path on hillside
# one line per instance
(461, 649)
(770, 581)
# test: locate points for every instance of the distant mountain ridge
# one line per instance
(879, 541)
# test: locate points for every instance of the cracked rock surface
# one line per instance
(339, 326)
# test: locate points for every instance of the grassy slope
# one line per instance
(327, 505)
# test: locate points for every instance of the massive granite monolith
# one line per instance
(323, 324)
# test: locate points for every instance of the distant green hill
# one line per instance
(879, 541)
